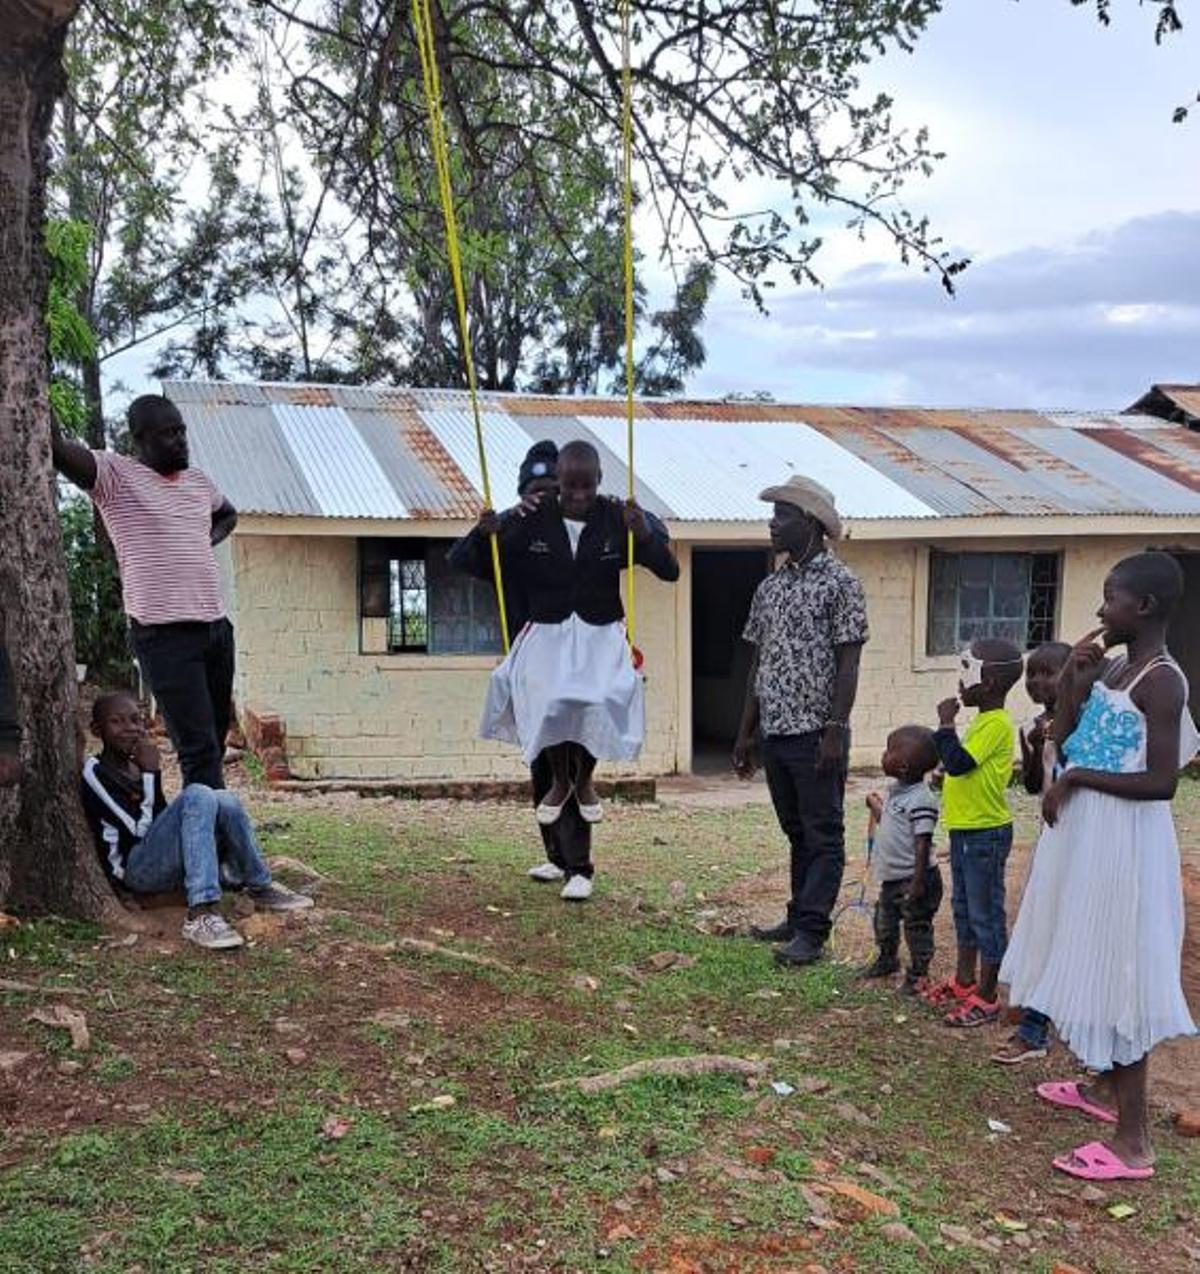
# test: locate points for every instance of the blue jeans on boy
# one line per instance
(180, 849)
(1034, 1028)
(977, 862)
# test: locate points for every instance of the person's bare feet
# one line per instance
(1133, 1152)
(1099, 1093)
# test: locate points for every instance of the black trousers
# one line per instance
(569, 841)
(895, 908)
(189, 669)
(810, 808)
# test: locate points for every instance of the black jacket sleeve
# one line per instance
(10, 731)
(954, 757)
(472, 555)
(655, 553)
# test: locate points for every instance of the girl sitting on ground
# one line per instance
(1098, 942)
(569, 687)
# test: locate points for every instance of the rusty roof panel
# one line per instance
(1139, 447)
(890, 455)
(1074, 490)
(1142, 490)
(394, 452)
(428, 482)
(1007, 489)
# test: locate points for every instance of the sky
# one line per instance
(1065, 182)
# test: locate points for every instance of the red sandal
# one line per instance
(943, 994)
(974, 1012)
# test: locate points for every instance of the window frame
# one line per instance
(374, 559)
(923, 602)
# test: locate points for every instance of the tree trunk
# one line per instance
(47, 862)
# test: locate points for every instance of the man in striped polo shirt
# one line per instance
(164, 519)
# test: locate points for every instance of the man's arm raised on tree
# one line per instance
(72, 459)
(224, 520)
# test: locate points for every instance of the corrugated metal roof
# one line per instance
(346, 451)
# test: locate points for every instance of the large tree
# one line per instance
(727, 93)
(46, 860)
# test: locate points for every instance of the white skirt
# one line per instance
(568, 683)
(1099, 938)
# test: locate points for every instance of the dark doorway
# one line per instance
(1183, 638)
(723, 584)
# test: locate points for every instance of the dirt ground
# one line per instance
(1175, 1066)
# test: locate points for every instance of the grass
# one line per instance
(197, 1135)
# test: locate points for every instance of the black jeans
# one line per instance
(810, 808)
(568, 842)
(189, 669)
(894, 907)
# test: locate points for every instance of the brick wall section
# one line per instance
(377, 716)
(415, 717)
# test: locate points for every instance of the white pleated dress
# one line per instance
(1098, 942)
(571, 682)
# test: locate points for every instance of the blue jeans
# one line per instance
(977, 861)
(181, 848)
(1034, 1028)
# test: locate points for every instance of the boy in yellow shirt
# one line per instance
(975, 811)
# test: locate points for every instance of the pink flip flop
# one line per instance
(1096, 1162)
(1068, 1094)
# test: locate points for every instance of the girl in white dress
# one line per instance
(1098, 942)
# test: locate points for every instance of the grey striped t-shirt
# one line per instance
(909, 810)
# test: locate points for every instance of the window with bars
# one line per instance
(977, 595)
(410, 601)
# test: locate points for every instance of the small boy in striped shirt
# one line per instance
(904, 863)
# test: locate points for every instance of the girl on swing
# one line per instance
(569, 687)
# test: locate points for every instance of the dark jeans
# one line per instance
(1034, 1028)
(189, 669)
(810, 809)
(894, 907)
(977, 862)
(568, 842)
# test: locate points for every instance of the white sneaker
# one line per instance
(546, 872)
(577, 889)
(211, 931)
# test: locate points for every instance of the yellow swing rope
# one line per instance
(423, 26)
(627, 194)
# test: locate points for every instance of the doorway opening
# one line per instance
(723, 584)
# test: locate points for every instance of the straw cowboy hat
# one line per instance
(812, 498)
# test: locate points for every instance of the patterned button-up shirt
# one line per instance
(799, 615)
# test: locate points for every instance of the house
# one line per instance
(356, 640)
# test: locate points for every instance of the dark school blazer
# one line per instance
(545, 583)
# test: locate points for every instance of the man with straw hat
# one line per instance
(808, 624)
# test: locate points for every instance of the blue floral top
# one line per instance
(1110, 734)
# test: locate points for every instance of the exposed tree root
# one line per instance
(705, 1064)
(422, 947)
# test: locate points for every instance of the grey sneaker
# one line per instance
(212, 931)
(546, 872)
(577, 889)
(277, 897)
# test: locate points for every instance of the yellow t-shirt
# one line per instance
(978, 800)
